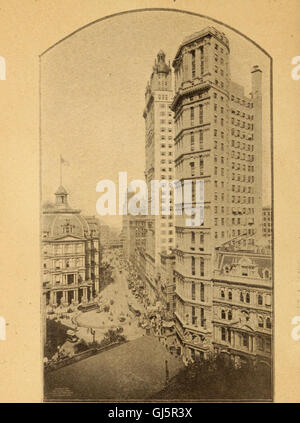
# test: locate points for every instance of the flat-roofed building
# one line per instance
(217, 140)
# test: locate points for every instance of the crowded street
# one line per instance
(114, 311)
(122, 307)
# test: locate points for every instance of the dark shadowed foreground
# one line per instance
(134, 370)
(218, 379)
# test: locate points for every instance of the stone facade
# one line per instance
(242, 303)
(218, 140)
(70, 253)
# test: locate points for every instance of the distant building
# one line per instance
(125, 234)
(132, 239)
(115, 240)
(159, 153)
(137, 249)
(166, 286)
(104, 235)
(70, 253)
(140, 254)
(110, 237)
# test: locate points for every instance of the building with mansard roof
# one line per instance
(70, 253)
(241, 314)
(242, 302)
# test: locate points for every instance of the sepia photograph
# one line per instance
(156, 235)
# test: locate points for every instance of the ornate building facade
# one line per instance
(70, 253)
(242, 303)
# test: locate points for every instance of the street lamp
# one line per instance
(167, 372)
(93, 332)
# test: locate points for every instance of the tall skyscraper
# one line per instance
(159, 153)
(218, 140)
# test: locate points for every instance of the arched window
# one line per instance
(268, 323)
(230, 315)
(223, 314)
(247, 297)
(260, 322)
(241, 297)
(222, 293)
(259, 300)
(267, 274)
(229, 295)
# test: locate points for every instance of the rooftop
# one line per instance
(210, 30)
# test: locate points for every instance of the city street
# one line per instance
(116, 296)
(134, 370)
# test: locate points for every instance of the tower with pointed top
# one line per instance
(159, 164)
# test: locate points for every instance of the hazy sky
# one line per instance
(93, 85)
